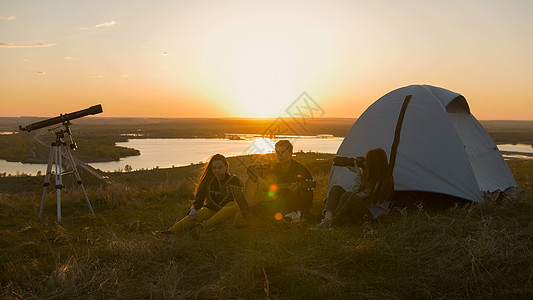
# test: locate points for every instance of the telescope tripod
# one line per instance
(55, 159)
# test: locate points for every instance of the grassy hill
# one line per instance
(476, 251)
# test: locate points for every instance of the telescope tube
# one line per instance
(93, 110)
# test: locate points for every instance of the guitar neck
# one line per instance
(284, 186)
(306, 184)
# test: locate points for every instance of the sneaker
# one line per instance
(324, 225)
(293, 216)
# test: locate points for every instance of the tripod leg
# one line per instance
(78, 179)
(46, 179)
(59, 182)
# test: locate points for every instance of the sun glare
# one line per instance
(262, 78)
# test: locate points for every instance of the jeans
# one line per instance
(346, 205)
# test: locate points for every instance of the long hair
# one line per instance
(378, 175)
(207, 171)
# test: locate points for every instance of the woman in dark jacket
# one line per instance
(372, 198)
(213, 200)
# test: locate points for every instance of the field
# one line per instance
(480, 251)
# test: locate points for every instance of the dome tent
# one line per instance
(442, 148)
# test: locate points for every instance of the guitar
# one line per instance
(259, 184)
(254, 192)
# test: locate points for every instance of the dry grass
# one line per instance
(474, 251)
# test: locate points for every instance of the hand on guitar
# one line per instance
(294, 188)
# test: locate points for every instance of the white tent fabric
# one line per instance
(443, 148)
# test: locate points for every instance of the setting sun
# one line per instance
(262, 78)
(257, 69)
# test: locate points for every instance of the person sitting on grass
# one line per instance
(213, 200)
(372, 197)
(289, 195)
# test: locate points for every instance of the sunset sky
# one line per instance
(254, 58)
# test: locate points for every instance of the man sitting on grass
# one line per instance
(289, 193)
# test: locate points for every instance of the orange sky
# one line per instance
(254, 58)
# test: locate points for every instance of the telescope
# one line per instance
(56, 154)
(93, 110)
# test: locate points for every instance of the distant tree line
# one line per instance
(22, 147)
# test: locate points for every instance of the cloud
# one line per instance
(106, 24)
(36, 45)
(10, 18)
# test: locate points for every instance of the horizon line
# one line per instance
(240, 118)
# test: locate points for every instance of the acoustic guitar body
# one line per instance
(256, 191)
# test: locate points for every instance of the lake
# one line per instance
(165, 153)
